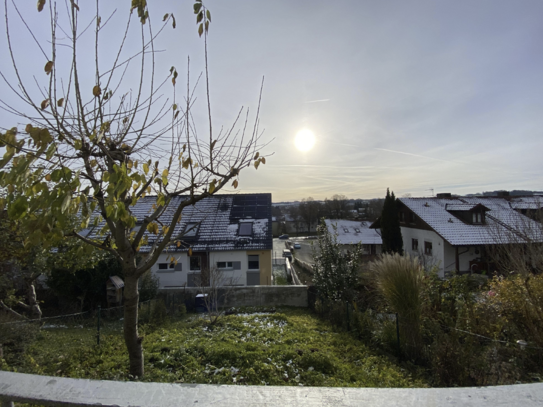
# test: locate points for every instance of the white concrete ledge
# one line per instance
(47, 390)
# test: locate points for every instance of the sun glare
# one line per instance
(304, 140)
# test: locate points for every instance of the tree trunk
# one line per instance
(131, 338)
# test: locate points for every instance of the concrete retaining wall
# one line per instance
(47, 390)
(267, 296)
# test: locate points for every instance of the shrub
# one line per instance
(149, 284)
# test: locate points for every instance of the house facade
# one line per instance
(225, 237)
(454, 234)
(350, 233)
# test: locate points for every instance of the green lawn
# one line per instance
(289, 347)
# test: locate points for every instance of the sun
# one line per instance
(304, 140)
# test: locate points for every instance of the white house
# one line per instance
(454, 233)
(350, 232)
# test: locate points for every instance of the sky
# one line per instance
(420, 97)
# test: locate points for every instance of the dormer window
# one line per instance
(477, 218)
(245, 229)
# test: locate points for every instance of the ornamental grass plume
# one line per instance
(399, 281)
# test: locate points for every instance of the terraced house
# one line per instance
(229, 236)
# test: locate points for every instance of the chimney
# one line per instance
(502, 194)
(444, 195)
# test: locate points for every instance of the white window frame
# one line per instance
(228, 265)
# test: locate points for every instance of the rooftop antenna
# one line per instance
(431, 190)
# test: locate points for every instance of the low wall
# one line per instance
(47, 390)
(260, 295)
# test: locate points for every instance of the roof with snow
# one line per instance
(353, 232)
(503, 224)
(216, 223)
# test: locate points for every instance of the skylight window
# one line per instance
(357, 230)
(245, 229)
(346, 230)
(191, 229)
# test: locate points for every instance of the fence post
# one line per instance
(398, 338)
(98, 326)
(348, 318)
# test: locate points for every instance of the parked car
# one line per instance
(283, 237)
(297, 246)
(287, 254)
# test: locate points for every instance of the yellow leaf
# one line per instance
(48, 177)
(212, 187)
(263, 160)
(257, 155)
(96, 91)
(28, 128)
(145, 168)
(178, 243)
(190, 251)
(41, 4)
(257, 163)
(165, 173)
(48, 67)
(60, 102)
(235, 183)
(44, 104)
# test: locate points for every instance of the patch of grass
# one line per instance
(288, 347)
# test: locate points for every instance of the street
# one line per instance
(304, 253)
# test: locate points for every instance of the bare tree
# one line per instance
(518, 246)
(310, 211)
(95, 123)
(216, 285)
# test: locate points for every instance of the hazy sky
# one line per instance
(410, 95)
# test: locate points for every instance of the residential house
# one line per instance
(229, 233)
(454, 234)
(350, 232)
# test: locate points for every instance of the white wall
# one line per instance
(438, 246)
(170, 278)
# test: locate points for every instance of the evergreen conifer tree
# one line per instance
(390, 226)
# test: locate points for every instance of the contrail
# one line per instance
(318, 101)
(416, 155)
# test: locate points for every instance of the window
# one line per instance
(402, 216)
(357, 230)
(162, 266)
(246, 229)
(254, 263)
(191, 229)
(415, 245)
(225, 265)
(171, 265)
(412, 217)
(428, 248)
(195, 263)
(346, 230)
(477, 217)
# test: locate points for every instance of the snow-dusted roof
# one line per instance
(527, 202)
(503, 223)
(353, 232)
(217, 220)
